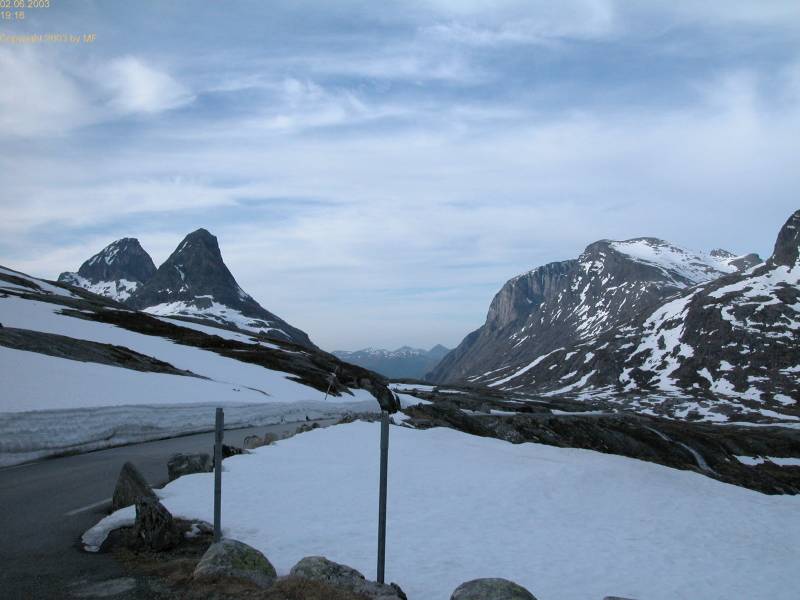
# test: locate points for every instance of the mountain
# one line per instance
(117, 271)
(193, 283)
(403, 363)
(563, 303)
(724, 348)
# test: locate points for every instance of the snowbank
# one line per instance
(567, 524)
(51, 405)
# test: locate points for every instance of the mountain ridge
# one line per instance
(403, 363)
(561, 303)
(713, 350)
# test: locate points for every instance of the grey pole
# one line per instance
(382, 496)
(218, 433)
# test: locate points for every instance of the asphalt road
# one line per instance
(46, 506)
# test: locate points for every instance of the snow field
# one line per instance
(567, 524)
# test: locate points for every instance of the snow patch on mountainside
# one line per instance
(214, 311)
(119, 290)
(683, 267)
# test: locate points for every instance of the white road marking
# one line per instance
(85, 508)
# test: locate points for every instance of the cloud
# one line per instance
(376, 180)
(36, 97)
(137, 87)
(43, 94)
(531, 22)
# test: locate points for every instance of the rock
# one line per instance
(230, 559)
(131, 487)
(616, 598)
(319, 568)
(252, 441)
(228, 451)
(491, 589)
(186, 464)
(154, 528)
(270, 438)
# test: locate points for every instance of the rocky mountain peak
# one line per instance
(194, 270)
(787, 246)
(122, 259)
(116, 271)
(195, 282)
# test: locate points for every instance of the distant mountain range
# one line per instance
(649, 325)
(193, 282)
(403, 363)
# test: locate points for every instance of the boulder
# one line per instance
(319, 568)
(154, 528)
(270, 438)
(228, 451)
(616, 598)
(491, 589)
(233, 560)
(131, 487)
(186, 464)
(252, 441)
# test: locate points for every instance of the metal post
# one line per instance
(382, 496)
(218, 433)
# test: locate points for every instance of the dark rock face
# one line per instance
(491, 589)
(319, 568)
(154, 528)
(563, 303)
(403, 363)
(234, 560)
(186, 464)
(194, 281)
(131, 487)
(787, 246)
(116, 271)
(228, 451)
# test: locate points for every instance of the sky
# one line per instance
(375, 171)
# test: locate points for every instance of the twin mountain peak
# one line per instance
(193, 282)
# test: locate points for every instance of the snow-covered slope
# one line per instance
(567, 524)
(564, 303)
(727, 347)
(682, 267)
(76, 368)
(116, 271)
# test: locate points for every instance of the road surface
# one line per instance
(45, 507)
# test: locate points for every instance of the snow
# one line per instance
(44, 286)
(217, 312)
(220, 332)
(758, 460)
(567, 524)
(407, 400)
(679, 264)
(119, 290)
(525, 369)
(410, 387)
